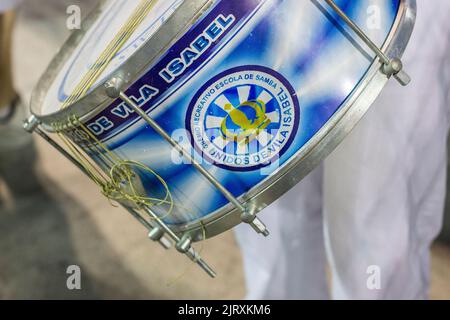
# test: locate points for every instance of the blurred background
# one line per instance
(66, 221)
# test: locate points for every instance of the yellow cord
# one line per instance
(124, 34)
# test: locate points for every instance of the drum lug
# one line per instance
(393, 67)
(157, 235)
(113, 87)
(255, 223)
(31, 124)
(184, 244)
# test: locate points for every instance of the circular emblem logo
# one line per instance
(244, 118)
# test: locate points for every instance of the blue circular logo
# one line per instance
(244, 118)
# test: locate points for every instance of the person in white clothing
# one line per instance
(17, 151)
(373, 208)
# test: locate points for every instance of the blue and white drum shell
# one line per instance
(256, 90)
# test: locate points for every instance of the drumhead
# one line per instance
(113, 16)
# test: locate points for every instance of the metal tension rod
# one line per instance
(392, 67)
(113, 89)
(183, 244)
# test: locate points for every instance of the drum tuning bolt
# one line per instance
(113, 87)
(183, 245)
(31, 124)
(255, 223)
(157, 234)
(395, 68)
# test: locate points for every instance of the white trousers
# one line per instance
(373, 208)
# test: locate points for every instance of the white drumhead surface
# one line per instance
(104, 30)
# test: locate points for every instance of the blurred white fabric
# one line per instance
(12, 133)
(8, 4)
(376, 201)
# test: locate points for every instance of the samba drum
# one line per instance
(195, 115)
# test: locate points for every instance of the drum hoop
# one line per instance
(130, 71)
(321, 145)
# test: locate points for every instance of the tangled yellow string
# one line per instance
(119, 181)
